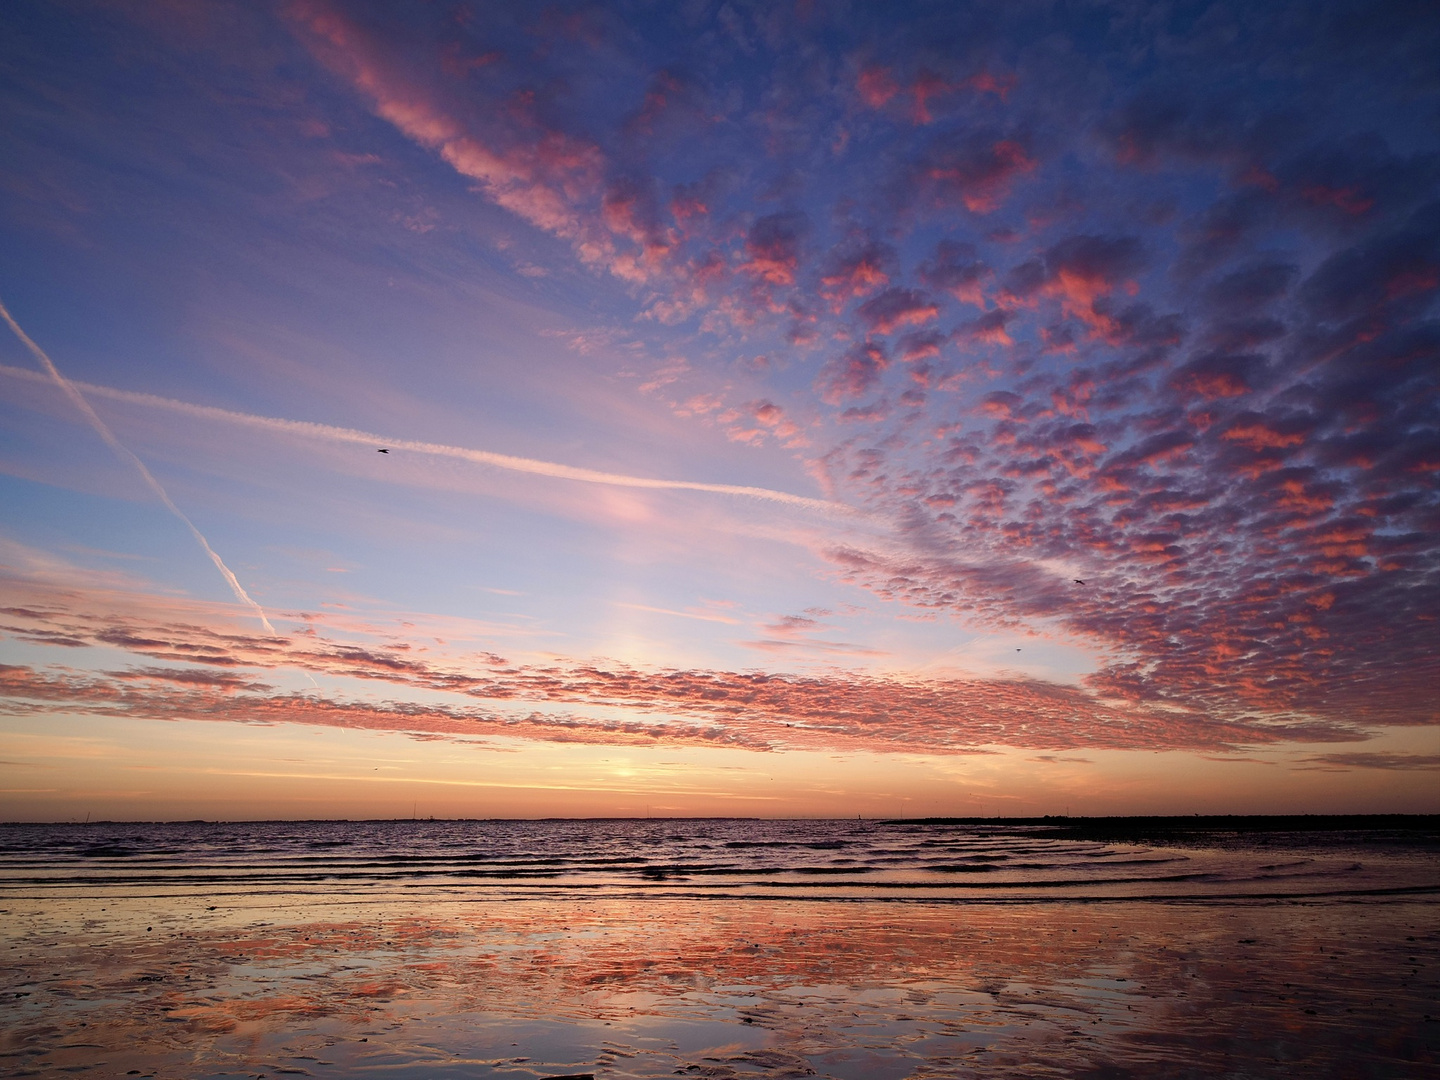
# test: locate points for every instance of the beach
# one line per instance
(642, 976)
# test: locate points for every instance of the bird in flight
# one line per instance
(382, 451)
(1078, 581)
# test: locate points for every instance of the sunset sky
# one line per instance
(792, 408)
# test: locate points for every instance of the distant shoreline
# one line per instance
(1179, 826)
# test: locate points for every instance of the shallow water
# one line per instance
(731, 858)
(718, 949)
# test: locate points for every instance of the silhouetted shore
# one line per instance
(1414, 828)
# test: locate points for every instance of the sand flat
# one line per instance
(656, 987)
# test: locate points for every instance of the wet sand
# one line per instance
(237, 986)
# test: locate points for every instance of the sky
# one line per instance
(792, 409)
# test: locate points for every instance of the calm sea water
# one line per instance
(737, 858)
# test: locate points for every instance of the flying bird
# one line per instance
(382, 450)
(1078, 581)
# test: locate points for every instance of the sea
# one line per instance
(1246, 947)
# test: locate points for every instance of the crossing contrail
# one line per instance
(537, 467)
(101, 429)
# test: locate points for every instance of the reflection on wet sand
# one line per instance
(185, 987)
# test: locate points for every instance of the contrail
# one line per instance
(480, 457)
(115, 444)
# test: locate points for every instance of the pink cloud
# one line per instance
(975, 171)
(212, 665)
(539, 178)
(703, 708)
(852, 374)
(927, 86)
(895, 308)
(772, 248)
(553, 179)
(923, 345)
(1212, 377)
(856, 272)
(989, 328)
(955, 269)
(875, 86)
(988, 83)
